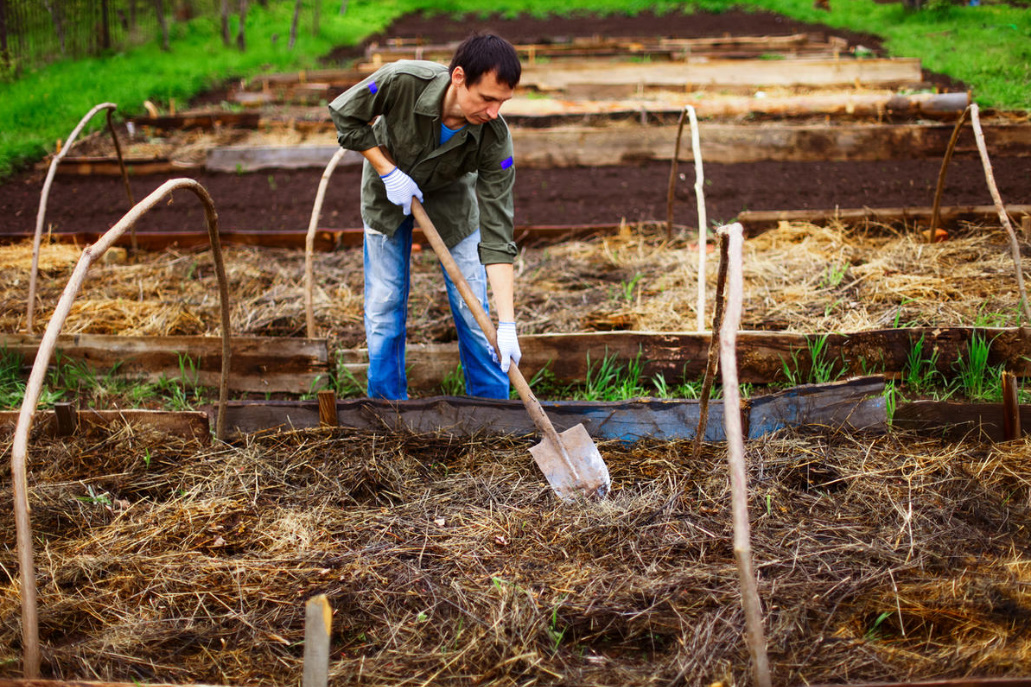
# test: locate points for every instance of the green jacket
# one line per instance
(466, 183)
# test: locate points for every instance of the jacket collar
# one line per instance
(432, 99)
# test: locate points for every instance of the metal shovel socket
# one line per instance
(570, 460)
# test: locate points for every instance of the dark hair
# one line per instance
(484, 53)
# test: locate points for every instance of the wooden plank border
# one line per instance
(258, 364)
(853, 405)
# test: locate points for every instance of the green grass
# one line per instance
(988, 47)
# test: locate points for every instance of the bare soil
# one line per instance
(283, 199)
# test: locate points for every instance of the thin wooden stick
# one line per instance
(1011, 407)
(736, 457)
(1004, 218)
(936, 208)
(125, 175)
(42, 212)
(673, 175)
(699, 182)
(309, 242)
(714, 347)
(34, 387)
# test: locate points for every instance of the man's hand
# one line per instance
(508, 345)
(400, 189)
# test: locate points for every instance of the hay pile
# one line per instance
(450, 562)
(800, 277)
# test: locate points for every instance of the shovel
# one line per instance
(569, 460)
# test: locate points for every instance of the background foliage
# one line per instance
(988, 47)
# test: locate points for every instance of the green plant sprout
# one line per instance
(976, 379)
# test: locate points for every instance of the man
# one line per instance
(438, 137)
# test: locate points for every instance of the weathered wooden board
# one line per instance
(252, 158)
(756, 221)
(258, 364)
(325, 239)
(681, 356)
(522, 110)
(733, 143)
(104, 166)
(201, 120)
(578, 146)
(668, 48)
(558, 76)
(855, 404)
(955, 420)
(188, 425)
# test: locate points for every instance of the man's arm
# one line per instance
(502, 281)
(379, 160)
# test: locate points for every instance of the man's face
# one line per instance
(481, 101)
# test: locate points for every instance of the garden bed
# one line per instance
(447, 559)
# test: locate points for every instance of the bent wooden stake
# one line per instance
(20, 445)
(736, 457)
(569, 460)
(309, 243)
(45, 194)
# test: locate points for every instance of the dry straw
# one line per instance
(449, 561)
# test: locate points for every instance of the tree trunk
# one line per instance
(159, 10)
(105, 26)
(54, 8)
(226, 40)
(5, 56)
(293, 24)
(241, 40)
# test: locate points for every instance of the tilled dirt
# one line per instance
(283, 199)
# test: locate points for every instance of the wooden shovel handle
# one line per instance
(533, 406)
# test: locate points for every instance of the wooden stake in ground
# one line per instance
(42, 213)
(714, 347)
(34, 387)
(1004, 218)
(309, 241)
(736, 456)
(696, 148)
(936, 208)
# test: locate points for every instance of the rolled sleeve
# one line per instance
(494, 184)
(354, 110)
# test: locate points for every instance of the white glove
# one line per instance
(400, 189)
(508, 345)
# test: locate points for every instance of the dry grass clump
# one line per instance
(799, 277)
(449, 561)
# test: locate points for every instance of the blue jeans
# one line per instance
(387, 283)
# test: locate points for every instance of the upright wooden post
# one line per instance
(328, 408)
(67, 419)
(318, 622)
(1011, 407)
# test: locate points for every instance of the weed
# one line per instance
(989, 319)
(919, 373)
(453, 383)
(630, 286)
(554, 632)
(821, 370)
(890, 400)
(682, 390)
(272, 183)
(95, 498)
(873, 632)
(978, 380)
(610, 382)
(833, 275)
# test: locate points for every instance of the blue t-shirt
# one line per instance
(446, 133)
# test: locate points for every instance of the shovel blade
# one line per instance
(579, 473)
